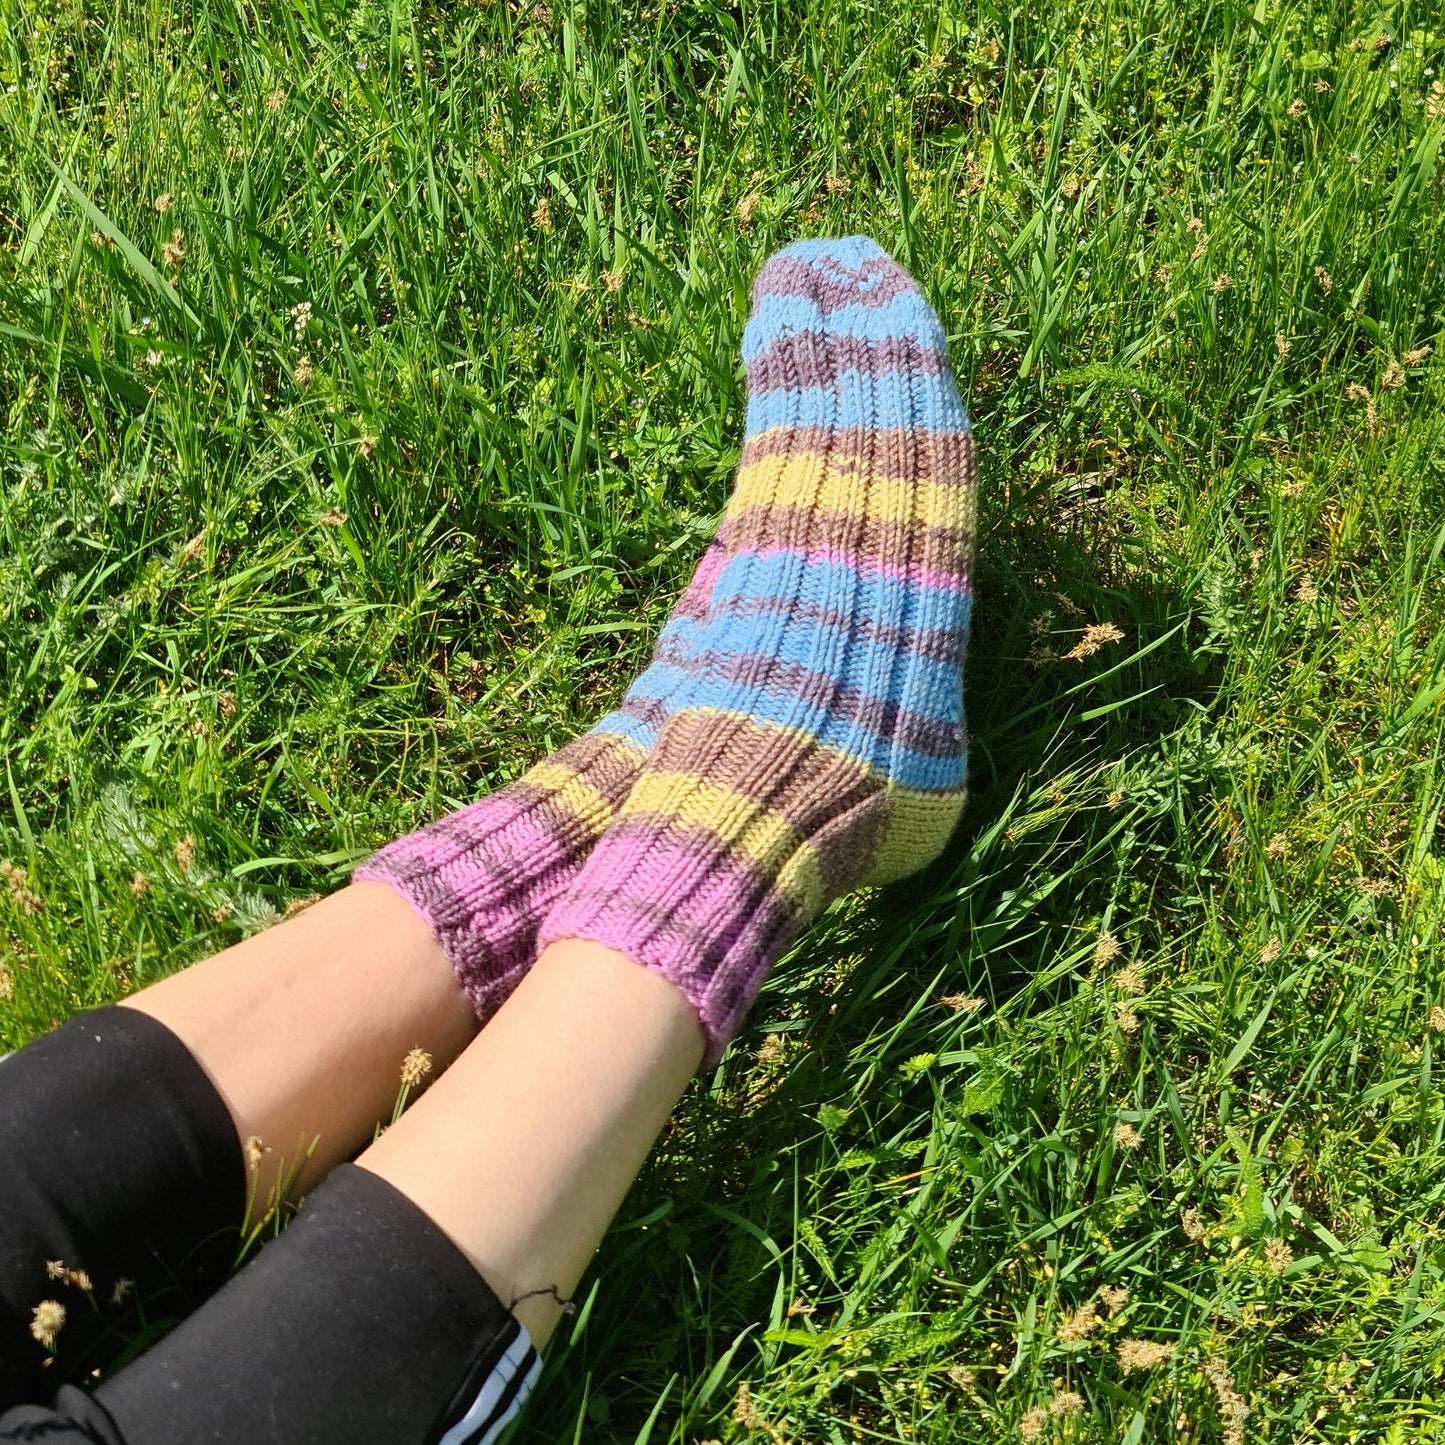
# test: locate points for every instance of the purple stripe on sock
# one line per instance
(791, 362)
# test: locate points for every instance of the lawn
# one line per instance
(370, 385)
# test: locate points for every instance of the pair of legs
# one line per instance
(611, 915)
(303, 1030)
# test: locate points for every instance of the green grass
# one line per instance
(1181, 251)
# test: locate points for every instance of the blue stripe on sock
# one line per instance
(908, 768)
(917, 403)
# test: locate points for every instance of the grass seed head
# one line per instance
(1278, 1256)
(121, 1291)
(1189, 1223)
(1115, 1297)
(1143, 1355)
(275, 100)
(1106, 950)
(1129, 979)
(1324, 279)
(1415, 355)
(1033, 1424)
(744, 1411)
(164, 202)
(1436, 1019)
(1097, 636)
(173, 252)
(7, 985)
(17, 884)
(542, 214)
(415, 1067)
(47, 1320)
(1271, 950)
(185, 852)
(140, 885)
(962, 1003)
(304, 374)
(1222, 282)
(748, 209)
(1281, 344)
(1296, 108)
(1073, 1329)
(1126, 1136)
(1126, 1020)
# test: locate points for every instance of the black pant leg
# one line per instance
(121, 1177)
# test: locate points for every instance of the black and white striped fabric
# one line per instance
(487, 1408)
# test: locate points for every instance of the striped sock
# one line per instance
(484, 877)
(814, 738)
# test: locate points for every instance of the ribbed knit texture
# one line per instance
(484, 877)
(812, 738)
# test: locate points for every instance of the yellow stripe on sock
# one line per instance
(569, 789)
(740, 823)
(919, 827)
(812, 479)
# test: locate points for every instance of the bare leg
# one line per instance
(523, 1151)
(303, 1028)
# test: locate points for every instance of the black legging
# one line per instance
(361, 1322)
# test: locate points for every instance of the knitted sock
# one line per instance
(485, 876)
(814, 739)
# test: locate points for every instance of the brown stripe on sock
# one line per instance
(909, 453)
(827, 798)
(768, 526)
